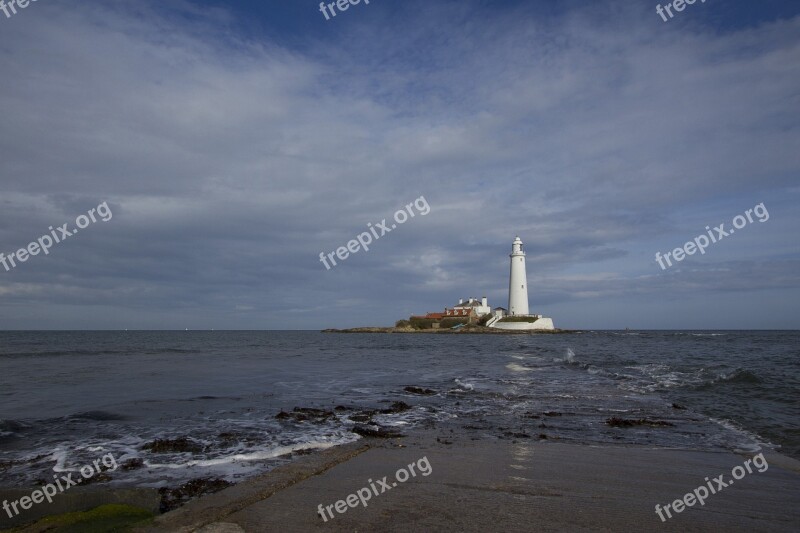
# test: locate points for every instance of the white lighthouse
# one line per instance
(519, 317)
(517, 281)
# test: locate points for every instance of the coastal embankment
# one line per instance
(510, 485)
(513, 485)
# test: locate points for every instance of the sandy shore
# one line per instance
(488, 485)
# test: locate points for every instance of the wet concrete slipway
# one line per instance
(512, 485)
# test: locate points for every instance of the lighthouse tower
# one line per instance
(518, 281)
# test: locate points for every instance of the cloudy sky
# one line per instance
(236, 141)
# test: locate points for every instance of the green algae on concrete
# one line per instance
(103, 519)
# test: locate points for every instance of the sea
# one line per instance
(228, 398)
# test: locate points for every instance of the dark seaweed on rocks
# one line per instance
(174, 498)
(397, 407)
(624, 423)
(419, 390)
(132, 464)
(306, 414)
(361, 417)
(365, 416)
(378, 432)
(179, 445)
(516, 435)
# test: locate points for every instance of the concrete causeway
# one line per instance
(512, 486)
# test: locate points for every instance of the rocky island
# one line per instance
(465, 330)
(474, 315)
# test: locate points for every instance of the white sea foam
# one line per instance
(60, 457)
(260, 455)
(752, 442)
(568, 358)
(466, 386)
(514, 367)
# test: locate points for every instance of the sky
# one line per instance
(234, 142)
